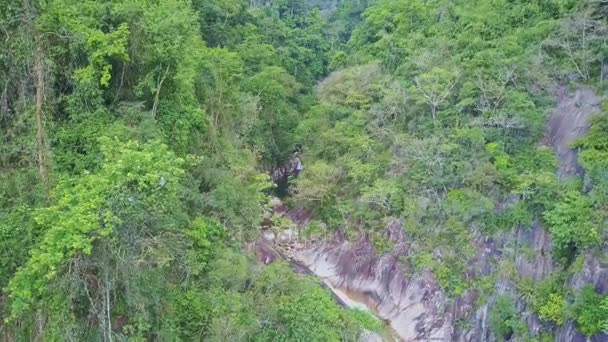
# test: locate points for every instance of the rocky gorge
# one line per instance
(413, 304)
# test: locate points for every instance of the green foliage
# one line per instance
(191, 310)
(590, 312)
(504, 319)
(130, 243)
(552, 309)
(547, 298)
(318, 188)
(386, 27)
(20, 193)
(277, 92)
(543, 336)
(78, 149)
(576, 43)
(604, 307)
(293, 306)
(356, 87)
(160, 118)
(468, 204)
(221, 20)
(434, 88)
(529, 174)
(205, 234)
(450, 277)
(365, 320)
(593, 155)
(84, 212)
(312, 315)
(572, 224)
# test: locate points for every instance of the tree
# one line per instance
(580, 41)
(590, 315)
(434, 88)
(91, 215)
(391, 29)
(504, 319)
(572, 224)
(273, 131)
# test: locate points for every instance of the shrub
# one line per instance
(553, 309)
(504, 320)
(571, 224)
(590, 315)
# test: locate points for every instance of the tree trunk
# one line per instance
(40, 326)
(157, 96)
(39, 97)
(107, 309)
(40, 134)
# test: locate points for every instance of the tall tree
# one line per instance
(29, 21)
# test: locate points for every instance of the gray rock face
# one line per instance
(568, 122)
(595, 272)
(268, 236)
(370, 336)
(264, 251)
(414, 307)
(287, 236)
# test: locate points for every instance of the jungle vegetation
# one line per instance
(136, 138)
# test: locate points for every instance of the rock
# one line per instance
(287, 235)
(268, 236)
(595, 272)
(530, 247)
(264, 252)
(274, 201)
(370, 336)
(568, 122)
(415, 307)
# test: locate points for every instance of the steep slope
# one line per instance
(568, 122)
(446, 123)
(414, 305)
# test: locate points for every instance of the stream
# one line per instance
(348, 299)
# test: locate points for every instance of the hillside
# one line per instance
(303, 170)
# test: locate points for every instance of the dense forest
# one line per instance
(139, 142)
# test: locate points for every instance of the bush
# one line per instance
(504, 320)
(547, 297)
(571, 224)
(590, 315)
(594, 158)
(553, 309)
